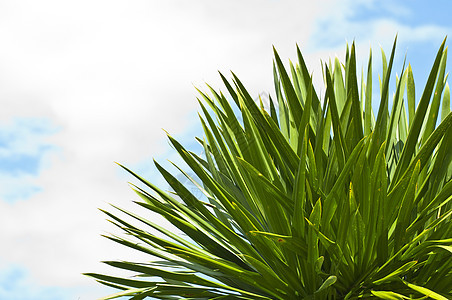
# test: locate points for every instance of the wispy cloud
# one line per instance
(25, 149)
(16, 285)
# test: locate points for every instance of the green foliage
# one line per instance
(312, 199)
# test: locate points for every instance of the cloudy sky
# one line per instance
(86, 83)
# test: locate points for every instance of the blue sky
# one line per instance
(23, 152)
(87, 83)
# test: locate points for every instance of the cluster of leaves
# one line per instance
(309, 199)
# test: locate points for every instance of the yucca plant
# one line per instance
(312, 198)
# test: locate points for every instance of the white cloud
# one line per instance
(17, 188)
(110, 75)
(13, 279)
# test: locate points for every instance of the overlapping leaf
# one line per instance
(309, 200)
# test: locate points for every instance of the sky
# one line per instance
(84, 84)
